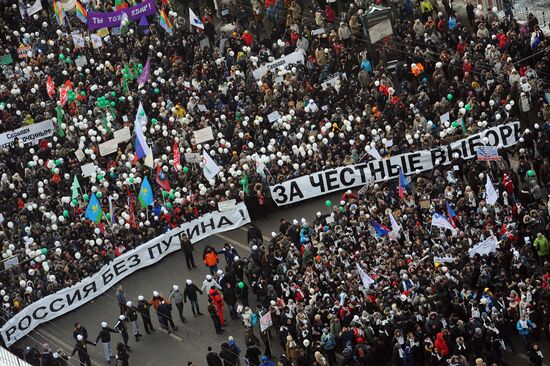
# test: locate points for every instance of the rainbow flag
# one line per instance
(59, 12)
(81, 12)
(165, 22)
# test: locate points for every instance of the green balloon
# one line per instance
(154, 121)
(164, 193)
(530, 172)
(65, 213)
(468, 107)
(86, 197)
(113, 94)
(68, 60)
(108, 215)
(454, 124)
(83, 93)
(168, 205)
(449, 97)
(113, 175)
(172, 196)
(121, 98)
(157, 90)
(75, 202)
(132, 180)
(341, 209)
(61, 56)
(240, 284)
(58, 162)
(140, 66)
(185, 169)
(328, 203)
(243, 182)
(44, 250)
(98, 194)
(100, 177)
(113, 104)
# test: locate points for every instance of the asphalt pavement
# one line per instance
(190, 341)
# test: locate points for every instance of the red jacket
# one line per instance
(441, 345)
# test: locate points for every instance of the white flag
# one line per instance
(194, 20)
(492, 195)
(374, 153)
(440, 221)
(141, 116)
(365, 278)
(210, 169)
(394, 234)
(149, 159)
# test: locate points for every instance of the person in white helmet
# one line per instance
(190, 293)
(176, 297)
(132, 315)
(143, 308)
(81, 347)
(122, 328)
(105, 336)
(208, 283)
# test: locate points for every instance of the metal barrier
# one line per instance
(9, 359)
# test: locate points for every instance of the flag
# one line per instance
(381, 230)
(394, 228)
(149, 160)
(142, 149)
(111, 209)
(210, 168)
(451, 213)
(440, 221)
(143, 23)
(194, 20)
(94, 212)
(145, 196)
(244, 183)
(487, 153)
(141, 116)
(59, 12)
(162, 180)
(374, 153)
(403, 183)
(59, 121)
(131, 204)
(176, 153)
(165, 22)
(365, 278)
(50, 86)
(81, 12)
(492, 195)
(75, 187)
(124, 20)
(145, 75)
(63, 96)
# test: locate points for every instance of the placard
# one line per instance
(108, 147)
(203, 135)
(486, 247)
(11, 262)
(317, 31)
(380, 30)
(88, 169)
(81, 61)
(194, 158)
(96, 41)
(30, 134)
(78, 40)
(79, 154)
(280, 63)
(273, 116)
(266, 321)
(123, 134)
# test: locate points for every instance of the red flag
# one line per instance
(162, 179)
(131, 204)
(63, 96)
(177, 158)
(50, 87)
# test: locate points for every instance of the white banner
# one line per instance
(487, 246)
(69, 299)
(337, 179)
(203, 135)
(29, 134)
(31, 9)
(280, 63)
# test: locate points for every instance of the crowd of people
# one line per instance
(481, 67)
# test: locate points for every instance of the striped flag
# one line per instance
(59, 13)
(440, 221)
(451, 213)
(403, 183)
(165, 22)
(81, 12)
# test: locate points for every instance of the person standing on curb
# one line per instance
(176, 296)
(121, 298)
(132, 315)
(144, 310)
(190, 293)
(105, 336)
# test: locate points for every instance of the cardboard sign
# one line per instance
(88, 169)
(265, 321)
(81, 61)
(203, 135)
(79, 154)
(193, 158)
(123, 134)
(108, 147)
(96, 41)
(78, 40)
(273, 116)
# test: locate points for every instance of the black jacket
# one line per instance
(191, 292)
(105, 334)
(212, 359)
(143, 308)
(186, 246)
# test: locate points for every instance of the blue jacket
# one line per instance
(525, 331)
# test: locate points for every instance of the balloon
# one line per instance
(243, 181)
(172, 196)
(86, 197)
(98, 194)
(75, 202)
(157, 90)
(113, 94)
(154, 121)
(328, 203)
(168, 205)
(468, 107)
(449, 97)
(83, 93)
(164, 193)
(65, 213)
(131, 180)
(530, 173)
(113, 104)
(341, 209)
(108, 215)
(61, 56)
(185, 169)
(240, 284)
(454, 124)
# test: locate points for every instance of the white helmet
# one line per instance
(122, 317)
(128, 303)
(103, 324)
(155, 293)
(140, 297)
(209, 277)
(188, 282)
(175, 287)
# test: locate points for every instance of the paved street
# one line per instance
(191, 340)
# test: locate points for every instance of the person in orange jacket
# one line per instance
(217, 300)
(210, 259)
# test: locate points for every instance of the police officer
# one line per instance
(81, 347)
(122, 328)
(144, 309)
(176, 296)
(105, 336)
(132, 315)
(190, 293)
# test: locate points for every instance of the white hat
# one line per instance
(236, 258)
(306, 342)
(318, 214)
(55, 355)
(220, 272)
(155, 294)
(79, 337)
(254, 247)
(103, 324)
(176, 287)
(128, 303)
(140, 297)
(273, 234)
(208, 277)
(295, 222)
(188, 282)
(122, 317)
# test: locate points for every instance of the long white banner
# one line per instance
(280, 63)
(332, 180)
(28, 134)
(69, 299)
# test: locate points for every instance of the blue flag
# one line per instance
(94, 212)
(145, 193)
(381, 230)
